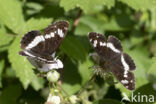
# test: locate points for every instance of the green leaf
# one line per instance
(140, 4)
(73, 48)
(86, 5)
(75, 75)
(5, 39)
(19, 63)
(11, 14)
(37, 24)
(83, 29)
(1, 70)
(84, 70)
(89, 24)
(37, 83)
(118, 23)
(153, 19)
(33, 8)
(10, 94)
(152, 73)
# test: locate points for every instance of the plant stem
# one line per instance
(76, 22)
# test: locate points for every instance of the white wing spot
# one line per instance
(124, 81)
(60, 33)
(125, 75)
(111, 46)
(36, 41)
(125, 65)
(65, 28)
(95, 43)
(97, 36)
(127, 87)
(102, 44)
(131, 81)
(47, 36)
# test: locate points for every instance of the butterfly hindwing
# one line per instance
(129, 61)
(122, 70)
(128, 81)
(33, 41)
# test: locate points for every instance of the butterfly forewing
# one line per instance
(98, 41)
(54, 34)
(114, 47)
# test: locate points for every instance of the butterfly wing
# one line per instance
(120, 63)
(33, 45)
(33, 41)
(98, 42)
(121, 67)
(114, 48)
(54, 35)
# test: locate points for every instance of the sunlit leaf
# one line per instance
(1, 70)
(86, 5)
(11, 14)
(140, 4)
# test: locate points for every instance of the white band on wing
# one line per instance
(35, 42)
(111, 46)
(125, 65)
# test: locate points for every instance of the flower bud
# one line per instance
(73, 99)
(54, 99)
(53, 76)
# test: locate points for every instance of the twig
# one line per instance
(76, 22)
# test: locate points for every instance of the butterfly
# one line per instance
(40, 49)
(111, 52)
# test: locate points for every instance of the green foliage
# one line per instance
(132, 21)
(68, 46)
(1, 70)
(86, 5)
(11, 14)
(10, 94)
(151, 71)
(140, 5)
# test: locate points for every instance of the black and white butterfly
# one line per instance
(119, 63)
(41, 49)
